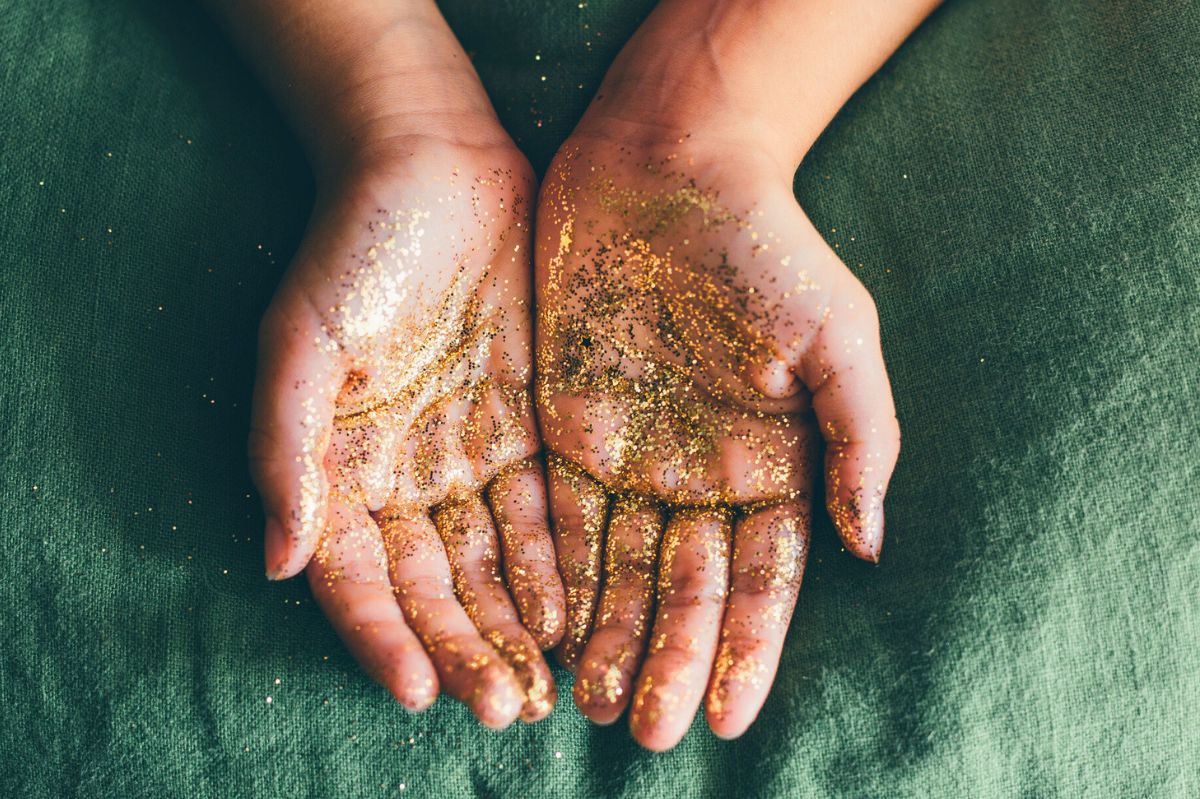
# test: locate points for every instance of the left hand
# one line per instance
(394, 437)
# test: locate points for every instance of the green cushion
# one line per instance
(1019, 187)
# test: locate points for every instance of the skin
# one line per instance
(393, 433)
(393, 438)
(696, 337)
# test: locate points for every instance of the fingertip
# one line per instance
(538, 707)
(652, 736)
(596, 709)
(854, 490)
(862, 550)
(726, 712)
(416, 690)
(490, 690)
(724, 729)
(275, 549)
(605, 679)
(862, 535)
(286, 553)
(497, 703)
(657, 719)
(288, 547)
(725, 735)
(872, 553)
(518, 649)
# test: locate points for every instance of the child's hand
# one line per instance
(394, 438)
(689, 319)
(393, 431)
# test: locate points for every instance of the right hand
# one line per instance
(393, 436)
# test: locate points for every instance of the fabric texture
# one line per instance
(1020, 189)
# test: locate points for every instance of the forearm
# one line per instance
(768, 72)
(359, 75)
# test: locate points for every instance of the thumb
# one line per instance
(852, 397)
(294, 393)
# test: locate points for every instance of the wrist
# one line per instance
(699, 69)
(406, 85)
(360, 88)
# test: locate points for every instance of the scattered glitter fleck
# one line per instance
(269, 700)
(558, 755)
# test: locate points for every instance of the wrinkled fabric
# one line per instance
(1020, 189)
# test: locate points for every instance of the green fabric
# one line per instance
(1019, 187)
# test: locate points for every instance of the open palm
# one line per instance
(690, 320)
(394, 431)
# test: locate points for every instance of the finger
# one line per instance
(349, 580)
(468, 667)
(518, 500)
(769, 550)
(465, 526)
(618, 639)
(579, 506)
(852, 397)
(692, 578)
(294, 393)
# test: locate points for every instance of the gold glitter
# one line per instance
(629, 328)
(429, 323)
(666, 360)
(579, 503)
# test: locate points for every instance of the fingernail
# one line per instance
(863, 543)
(275, 548)
(877, 545)
(413, 693)
(871, 542)
(873, 531)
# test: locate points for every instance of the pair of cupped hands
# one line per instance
(491, 421)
